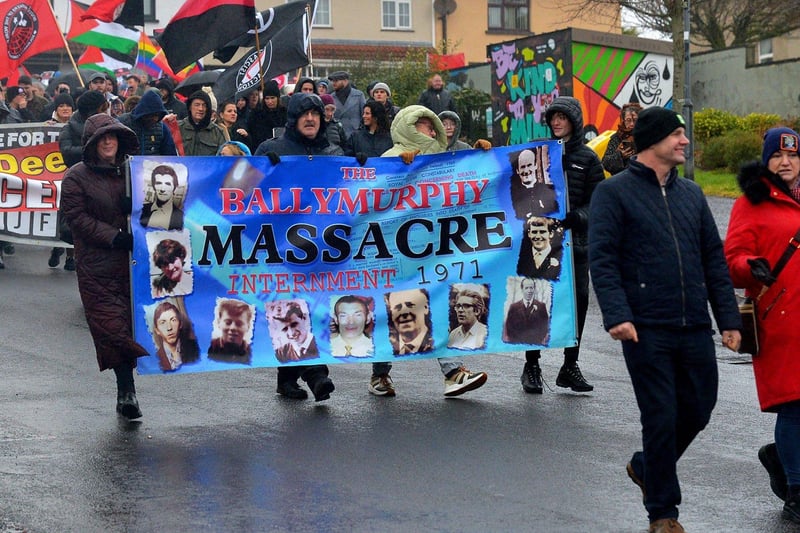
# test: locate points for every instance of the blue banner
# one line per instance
(238, 262)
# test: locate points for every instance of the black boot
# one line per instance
(791, 509)
(128, 406)
(532, 378)
(570, 377)
(768, 455)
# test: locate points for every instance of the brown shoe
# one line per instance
(666, 525)
(635, 479)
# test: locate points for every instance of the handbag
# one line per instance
(749, 331)
(748, 306)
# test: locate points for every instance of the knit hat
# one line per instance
(63, 98)
(381, 85)
(327, 99)
(13, 91)
(89, 102)
(655, 124)
(323, 82)
(166, 84)
(776, 139)
(271, 89)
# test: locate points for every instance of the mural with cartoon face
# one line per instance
(648, 84)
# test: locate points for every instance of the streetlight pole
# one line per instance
(688, 166)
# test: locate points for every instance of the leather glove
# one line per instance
(361, 157)
(126, 204)
(571, 220)
(408, 157)
(122, 241)
(483, 144)
(273, 158)
(760, 269)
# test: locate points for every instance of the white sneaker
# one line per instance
(463, 381)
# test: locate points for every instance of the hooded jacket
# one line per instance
(581, 165)
(292, 142)
(154, 139)
(761, 224)
(172, 105)
(454, 143)
(406, 138)
(93, 202)
(203, 137)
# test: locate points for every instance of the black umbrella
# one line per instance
(196, 81)
(71, 79)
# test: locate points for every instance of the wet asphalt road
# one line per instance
(221, 452)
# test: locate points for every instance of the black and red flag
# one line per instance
(125, 12)
(202, 26)
(268, 23)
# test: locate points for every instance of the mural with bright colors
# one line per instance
(528, 73)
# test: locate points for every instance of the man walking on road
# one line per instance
(656, 262)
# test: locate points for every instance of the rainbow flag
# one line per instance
(150, 59)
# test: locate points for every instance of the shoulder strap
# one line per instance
(794, 244)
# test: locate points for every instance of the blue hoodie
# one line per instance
(155, 138)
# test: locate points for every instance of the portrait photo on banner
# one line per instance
(290, 330)
(170, 255)
(165, 189)
(532, 190)
(232, 333)
(468, 316)
(528, 308)
(173, 334)
(352, 326)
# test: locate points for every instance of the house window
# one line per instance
(322, 17)
(509, 15)
(150, 11)
(396, 14)
(765, 51)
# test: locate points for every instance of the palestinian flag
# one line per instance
(202, 26)
(97, 60)
(105, 35)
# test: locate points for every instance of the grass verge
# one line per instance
(717, 183)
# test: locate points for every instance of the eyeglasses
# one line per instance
(459, 307)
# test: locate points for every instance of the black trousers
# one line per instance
(309, 373)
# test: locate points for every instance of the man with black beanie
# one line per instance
(171, 103)
(657, 262)
(267, 115)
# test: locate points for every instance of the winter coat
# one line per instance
(761, 224)
(155, 139)
(371, 144)
(437, 101)
(406, 138)
(613, 161)
(582, 168)
(262, 120)
(69, 139)
(454, 143)
(349, 111)
(292, 142)
(204, 137)
(336, 135)
(93, 202)
(656, 256)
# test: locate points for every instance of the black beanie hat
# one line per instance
(63, 98)
(89, 102)
(655, 124)
(271, 89)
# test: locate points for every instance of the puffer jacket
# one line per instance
(655, 253)
(582, 167)
(454, 143)
(406, 138)
(69, 139)
(155, 139)
(761, 224)
(93, 201)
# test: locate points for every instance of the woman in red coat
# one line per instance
(761, 225)
(96, 206)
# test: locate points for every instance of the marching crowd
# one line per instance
(646, 236)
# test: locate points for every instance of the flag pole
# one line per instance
(309, 22)
(257, 29)
(64, 40)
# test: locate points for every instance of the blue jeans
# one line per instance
(787, 440)
(675, 379)
(447, 364)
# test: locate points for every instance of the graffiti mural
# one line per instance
(528, 73)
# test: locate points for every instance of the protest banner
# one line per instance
(31, 168)
(241, 263)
